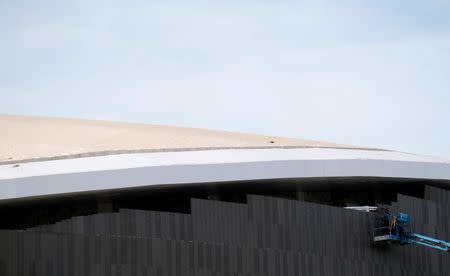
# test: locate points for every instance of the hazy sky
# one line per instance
(368, 73)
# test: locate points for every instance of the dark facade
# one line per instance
(264, 236)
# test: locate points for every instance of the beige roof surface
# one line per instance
(26, 138)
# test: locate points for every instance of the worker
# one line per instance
(386, 219)
(393, 224)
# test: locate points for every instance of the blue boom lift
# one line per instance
(391, 229)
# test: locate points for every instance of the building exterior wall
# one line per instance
(265, 236)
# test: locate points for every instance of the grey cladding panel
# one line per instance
(266, 236)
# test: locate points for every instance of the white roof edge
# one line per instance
(218, 156)
(111, 172)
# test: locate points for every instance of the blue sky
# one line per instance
(368, 73)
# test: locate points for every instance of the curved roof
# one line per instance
(115, 156)
(26, 138)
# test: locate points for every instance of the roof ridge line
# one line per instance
(117, 152)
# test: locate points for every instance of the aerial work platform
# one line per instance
(394, 229)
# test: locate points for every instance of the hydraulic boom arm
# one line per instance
(430, 242)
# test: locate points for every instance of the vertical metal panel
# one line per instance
(266, 236)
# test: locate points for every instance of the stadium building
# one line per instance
(80, 197)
